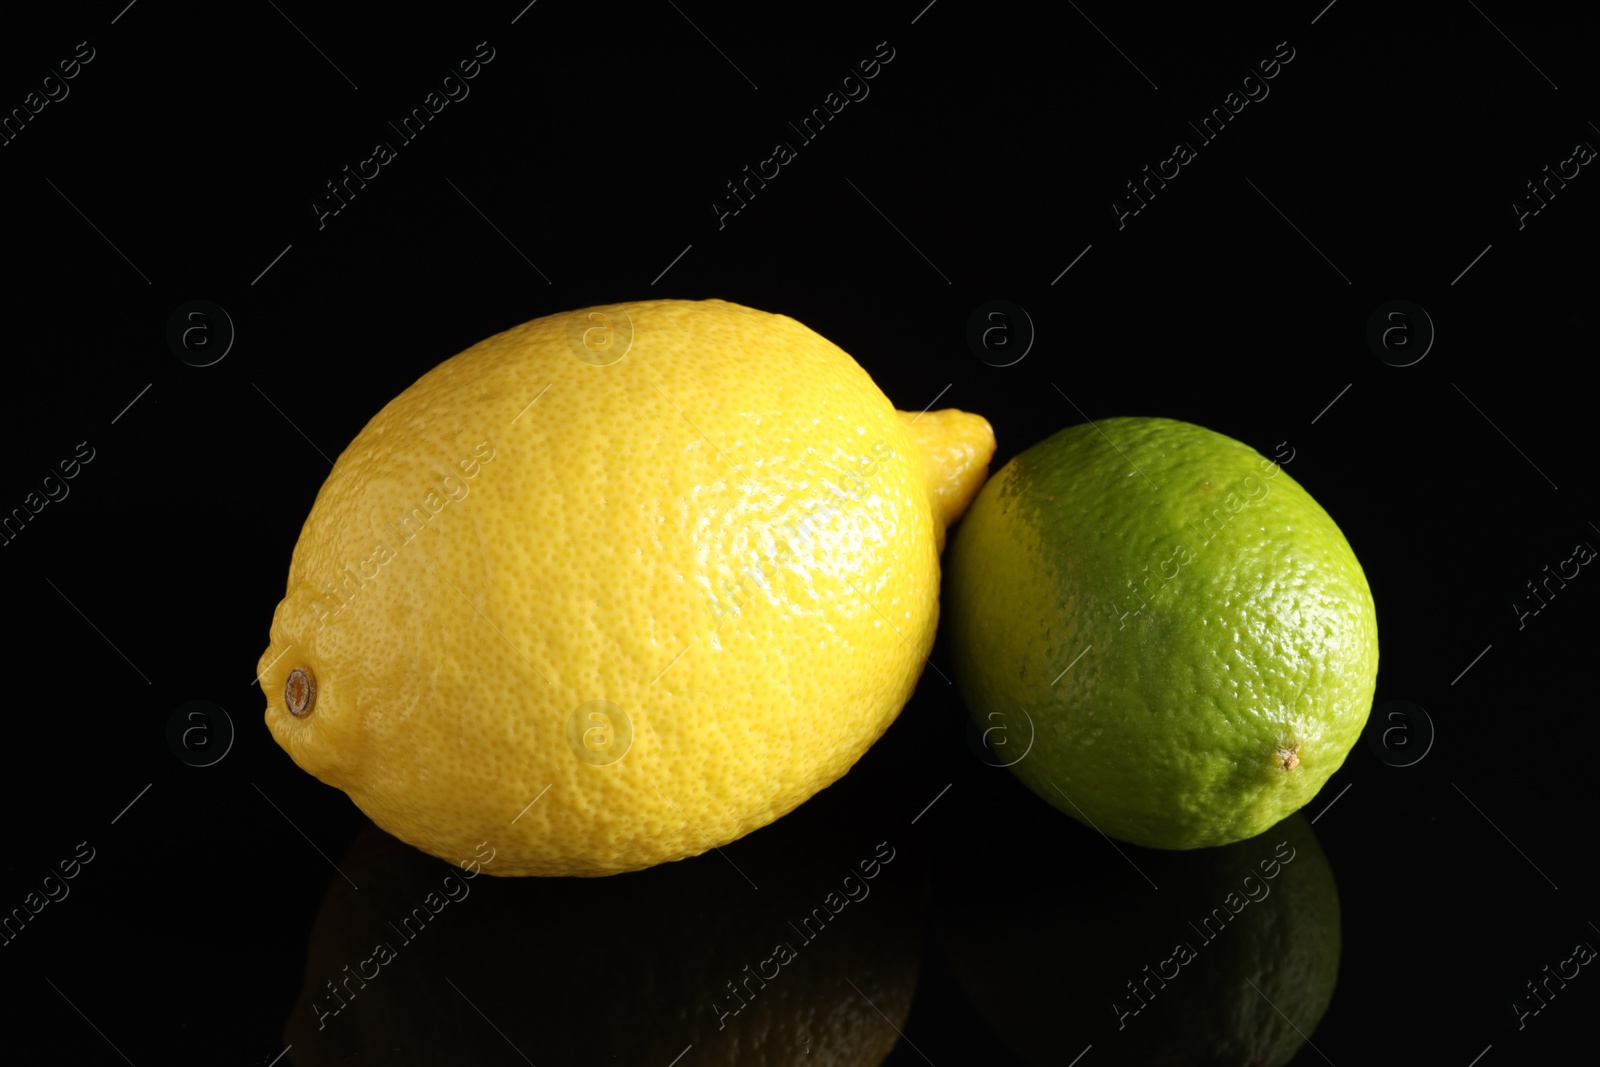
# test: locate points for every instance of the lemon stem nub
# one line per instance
(300, 692)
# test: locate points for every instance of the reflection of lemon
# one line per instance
(624, 970)
(1186, 628)
(615, 587)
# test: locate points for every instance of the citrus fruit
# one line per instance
(1185, 631)
(615, 587)
(1218, 957)
(625, 970)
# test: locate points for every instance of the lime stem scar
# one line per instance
(300, 692)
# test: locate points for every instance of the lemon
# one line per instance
(1185, 631)
(616, 587)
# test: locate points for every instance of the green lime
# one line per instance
(1186, 632)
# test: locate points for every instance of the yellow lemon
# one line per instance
(616, 587)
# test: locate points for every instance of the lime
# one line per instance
(1186, 632)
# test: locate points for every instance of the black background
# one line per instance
(1382, 166)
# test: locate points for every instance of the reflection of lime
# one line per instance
(1232, 962)
(1190, 632)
